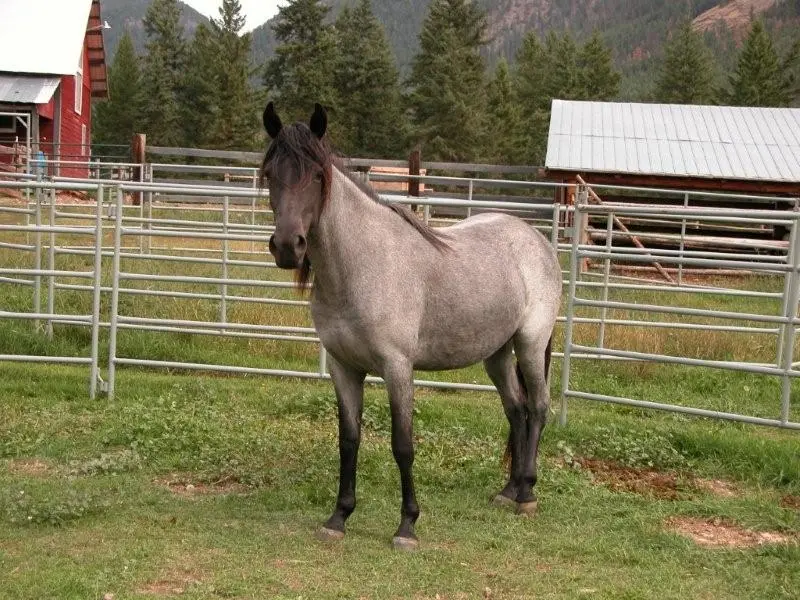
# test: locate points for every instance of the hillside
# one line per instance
(128, 14)
(634, 30)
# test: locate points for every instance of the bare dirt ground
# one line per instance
(722, 533)
(652, 482)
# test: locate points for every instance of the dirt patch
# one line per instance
(647, 482)
(791, 502)
(172, 583)
(725, 534)
(186, 486)
(717, 487)
(32, 467)
(651, 482)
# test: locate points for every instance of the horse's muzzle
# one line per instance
(289, 252)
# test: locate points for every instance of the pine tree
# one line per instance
(597, 77)
(532, 74)
(447, 80)
(688, 71)
(198, 101)
(301, 73)
(563, 77)
(760, 78)
(506, 135)
(163, 72)
(371, 117)
(535, 85)
(236, 123)
(119, 117)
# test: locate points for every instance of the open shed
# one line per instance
(736, 150)
(52, 64)
(732, 148)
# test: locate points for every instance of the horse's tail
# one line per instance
(548, 351)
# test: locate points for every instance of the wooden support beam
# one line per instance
(636, 241)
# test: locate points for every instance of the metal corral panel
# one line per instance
(724, 142)
(28, 90)
(42, 36)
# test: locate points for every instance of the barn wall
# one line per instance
(71, 121)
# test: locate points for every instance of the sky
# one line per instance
(256, 11)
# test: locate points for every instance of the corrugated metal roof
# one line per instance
(42, 36)
(720, 142)
(27, 89)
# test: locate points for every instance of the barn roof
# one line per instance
(720, 142)
(45, 37)
(27, 89)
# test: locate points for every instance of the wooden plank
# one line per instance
(621, 225)
(252, 157)
(484, 168)
(683, 183)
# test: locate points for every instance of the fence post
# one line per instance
(112, 334)
(37, 259)
(790, 312)
(51, 265)
(787, 282)
(138, 153)
(223, 303)
(574, 273)
(97, 283)
(414, 164)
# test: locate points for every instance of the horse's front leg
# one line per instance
(399, 377)
(349, 385)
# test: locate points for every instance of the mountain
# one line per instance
(128, 14)
(635, 30)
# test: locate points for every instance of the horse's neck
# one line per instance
(346, 235)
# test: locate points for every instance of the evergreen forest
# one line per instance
(455, 99)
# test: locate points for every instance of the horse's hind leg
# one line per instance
(501, 370)
(533, 355)
(349, 385)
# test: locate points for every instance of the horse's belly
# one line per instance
(460, 339)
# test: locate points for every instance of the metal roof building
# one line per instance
(52, 64)
(739, 149)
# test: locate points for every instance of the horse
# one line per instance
(391, 294)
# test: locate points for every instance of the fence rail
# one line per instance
(41, 230)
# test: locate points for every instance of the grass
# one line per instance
(94, 498)
(204, 486)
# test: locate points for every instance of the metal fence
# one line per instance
(224, 225)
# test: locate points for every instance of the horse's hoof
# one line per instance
(329, 535)
(404, 543)
(504, 501)
(527, 509)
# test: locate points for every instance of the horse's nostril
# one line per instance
(272, 244)
(300, 244)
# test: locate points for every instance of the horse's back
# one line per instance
(497, 275)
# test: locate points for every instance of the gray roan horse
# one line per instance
(391, 295)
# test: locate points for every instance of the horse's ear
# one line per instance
(272, 122)
(319, 121)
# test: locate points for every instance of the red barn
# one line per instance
(52, 63)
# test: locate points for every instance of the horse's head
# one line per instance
(297, 169)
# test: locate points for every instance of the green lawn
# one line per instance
(94, 497)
